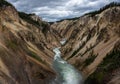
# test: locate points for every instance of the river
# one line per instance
(66, 73)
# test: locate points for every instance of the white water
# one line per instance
(67, 74)
(63, 41)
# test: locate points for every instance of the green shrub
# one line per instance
(68, 19)
(112, 4)
(26, 17)
(35, 56)
(90, 59)
(76, 51)
(110, 62)
(93, 13)
(4, 3)
(38, 24)
(11, 45)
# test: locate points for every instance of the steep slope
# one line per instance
(25, 48)
(90, 38)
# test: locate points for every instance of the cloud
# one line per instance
(52, 10)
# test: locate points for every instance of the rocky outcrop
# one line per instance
(35, 17)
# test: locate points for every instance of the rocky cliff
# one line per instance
(91, 41)
(25, 48)
(26, 43)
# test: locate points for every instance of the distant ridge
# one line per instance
(112, 4)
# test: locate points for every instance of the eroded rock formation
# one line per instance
(26, 43)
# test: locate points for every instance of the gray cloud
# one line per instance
(52, 10)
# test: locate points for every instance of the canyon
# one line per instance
(92, 46)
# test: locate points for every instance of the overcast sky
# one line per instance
(52, 10)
